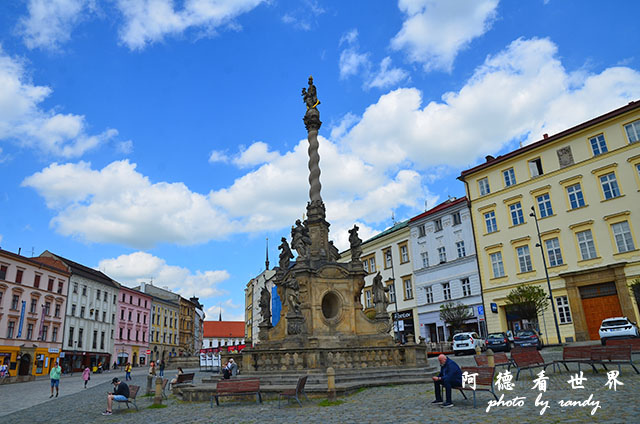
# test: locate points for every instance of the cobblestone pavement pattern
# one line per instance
(390, 404)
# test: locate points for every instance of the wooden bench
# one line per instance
(612, 355)
(576, 354)
(634, 343)
(483, 379)
(237, 387)
(185, 378)
(164, 385)
(528, 358)
(295, 393)
(499, 359)
(133, 392)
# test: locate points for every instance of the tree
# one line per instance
(455, 314)
(635, 289)
(528, 302)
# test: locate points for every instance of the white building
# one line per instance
(445, 267)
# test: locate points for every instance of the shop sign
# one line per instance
(54, 350)
(494, 308)
(403, 315)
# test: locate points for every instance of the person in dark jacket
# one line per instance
(120, 393)
(450, 376)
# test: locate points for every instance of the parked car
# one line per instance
(525, 338)
(618, 327)
(467, 342)
(498, 342)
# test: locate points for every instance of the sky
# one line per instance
(163, 141)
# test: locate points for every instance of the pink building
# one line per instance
(33, 301)
(132, 327)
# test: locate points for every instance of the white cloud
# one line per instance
(387, 76)
(303, 17)
(23, 121)
(434, 31)
(353, 63)
(50, 22)
(139, 267)
(256, 154)
(522, 92)
(125, 147)
(150, 21)
(217, 156)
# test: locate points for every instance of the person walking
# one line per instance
(450, 376)
(152, 368)
(127, 371)
(161, 367)
(86, 375)
(54, 375)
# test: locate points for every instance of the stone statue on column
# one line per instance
(300, 240)
(285, 255)
(356, 244)
(265, 307)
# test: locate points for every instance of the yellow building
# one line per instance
(584, 185)
(164, 328)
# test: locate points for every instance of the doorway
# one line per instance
(25, 364)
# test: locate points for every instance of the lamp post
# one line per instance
(546, 272)
(395, 295)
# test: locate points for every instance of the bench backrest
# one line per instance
(301, 383)
(484, 377)
(481, 360)
(611, 353)
(185, 377)
(133, 391)
(576, 352)
(164, 382)
(238, 386)
(634, 343)
(500, 358)
(525, 358)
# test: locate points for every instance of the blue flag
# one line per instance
(24, 305)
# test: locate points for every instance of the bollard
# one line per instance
(490, 360)
(478, 350)
(157, 399)
(331, 384)
(149, 383)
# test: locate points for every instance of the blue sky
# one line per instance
(163, 140)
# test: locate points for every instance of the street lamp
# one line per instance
(546, 272)
(395, 294)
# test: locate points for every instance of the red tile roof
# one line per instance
(224, 329)
(444, 205)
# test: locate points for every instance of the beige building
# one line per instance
(584, 185)
(390, 254)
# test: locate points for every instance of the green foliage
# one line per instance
(635, 289)
(454, 315)
(327, 402)
(528, 302)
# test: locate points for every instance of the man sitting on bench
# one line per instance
(120, 394)
(450, 376)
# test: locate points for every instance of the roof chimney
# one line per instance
(489, 158)
(545, 135)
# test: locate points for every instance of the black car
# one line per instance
(498, 342)
(525, 338)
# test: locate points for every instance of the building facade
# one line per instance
(253, 315)
(584, 187)
(186, 323)
(33, 298)
(445, 268)
(90, 317)
(163, 340)
(132, 327)
(224, 335)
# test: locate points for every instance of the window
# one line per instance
(84, 290)
(422, 231)
(586, 244)
(105, 296)
(14, 302)
(563, 309)
(429, 293)
(50, 285)
(524, 259)
(29, 331)
(137, 334)
(139, 300)
(446, 291)
(98, 294)
(633, 131)
(129, 316)
(460, 248)
(121, 330)
(45, 332)
(392, 293)
(102, 340)
(576, 199)
(57, 311)
(490, 221)
(82, 309)
(456, 218)
(367, 299)
(54, 334)
(509, 177)
(553, 252)
(104, 316)
(483, 184)
(121, 313)
(143, 335)
(36, 281)
(610, 186)
(466, 287)
(387, 258)
(144, 318)
(70, 341)
(1, 293)
(598, 145)
(19, 276)
(47, 308)
(3, 272)
(517, 217)
(113, 318)
(138, 319)
(73, 310)
(94, 345)
(442, 254)
(408, 289)
(497, 265)
(425, 259)
(60, 286)
(128, 334)
(622, 234)
(131, 300)
(34, 303)
(404, 253)
(369, 264)
(544, 204)
(438, 225)
(75, 287)
(10, 328)
(535, 167)
(80, 331)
